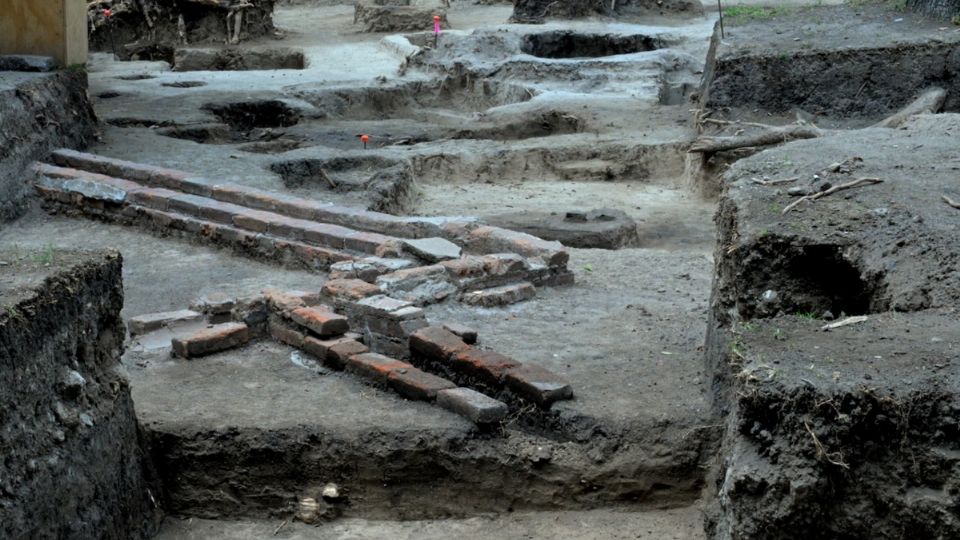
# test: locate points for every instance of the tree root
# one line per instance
(951, 202)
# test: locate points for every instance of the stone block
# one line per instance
(141, 324)
(210, 340)
(472, 405)
(500, 296)
(215, 303)
(433, 250)
(415, 384)
(537, 384)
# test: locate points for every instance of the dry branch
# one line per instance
(951, 202)
(930, 101)
(820, 194)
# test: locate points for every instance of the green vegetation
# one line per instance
(754, 13)
(898, 5)
(45, 257)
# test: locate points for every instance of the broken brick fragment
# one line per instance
(210, 340)
(284, 334)
(467, 334)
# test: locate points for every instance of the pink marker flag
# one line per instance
(436, 25)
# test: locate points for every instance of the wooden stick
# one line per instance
(951, 202)
(820, 194)
(775, 182)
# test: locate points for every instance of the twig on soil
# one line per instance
(822, 453)
(951, 202)
(774, 182)
(280, 527)
(820, 194)
(844, 322)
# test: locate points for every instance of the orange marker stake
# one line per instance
(436, 30)
(365, 139)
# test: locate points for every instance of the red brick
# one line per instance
(326, 235)
(435, 343)
(416, 384)
(493, 239)
(195, 185)
(263, 200)
(252, 220)
(218, 211)
(210, 340)
(281, 301)
(365, 242)
(285, 334)
(321, 322)
(375, 367)
(339, 353)
(286, 227)
(466, 266)
(296, 207)
(487, 366)
(168, 178)
(318, 257)
(231, 193)
(537, 384)
(187, 204)
(350, 289)
(153, 198)
(319, 347)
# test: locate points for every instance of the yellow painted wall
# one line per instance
(56, 28)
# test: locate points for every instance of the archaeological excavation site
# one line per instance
(467, 269)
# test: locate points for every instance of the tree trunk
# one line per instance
(944, 9)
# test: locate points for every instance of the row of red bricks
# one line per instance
(488, 370)
(236, 215)
(478, 239)
(318, 331)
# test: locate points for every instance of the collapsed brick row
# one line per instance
(301, 320)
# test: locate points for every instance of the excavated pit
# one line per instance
(247, 115)
(569, 44)
(237, 59)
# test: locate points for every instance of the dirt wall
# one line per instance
(847, 432)
(74, 465)
(38, 113)
(152, 29)
(536, 11)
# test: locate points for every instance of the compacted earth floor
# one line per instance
(628, 334)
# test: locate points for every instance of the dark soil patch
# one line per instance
(569, 44)
(246, 115)
(184, 84)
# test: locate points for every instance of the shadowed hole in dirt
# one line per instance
(340, 174)
(184, 84)
(137, 77)
(247, 115)
(423, 100)
(277, 146)
(153, 52)
(568, 44)
(238, 59)
(109, 95)
(782, 277)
